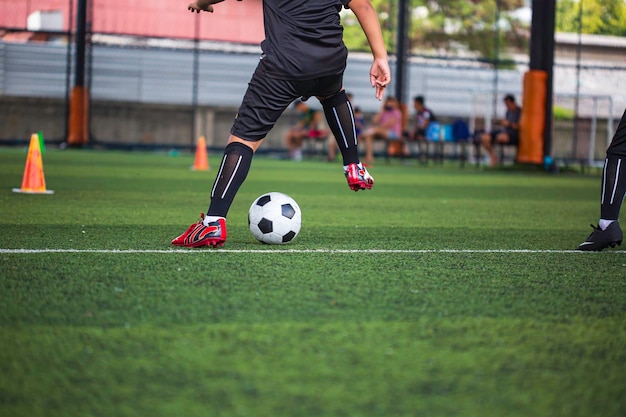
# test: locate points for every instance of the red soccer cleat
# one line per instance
(358, 177)
(198, 234)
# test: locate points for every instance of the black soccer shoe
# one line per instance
(600, 239)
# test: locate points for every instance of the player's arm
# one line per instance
(510, 123)
(380, 74)
(203, 5)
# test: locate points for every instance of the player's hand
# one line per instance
(194, 7)
(380, 76)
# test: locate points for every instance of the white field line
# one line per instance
(303, 251)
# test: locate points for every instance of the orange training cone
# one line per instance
(33, 181)
(201, 162)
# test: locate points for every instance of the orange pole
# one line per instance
(533, 117)
(78, 133)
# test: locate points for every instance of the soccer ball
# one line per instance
(274, 218)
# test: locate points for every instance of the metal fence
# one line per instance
(165, 75)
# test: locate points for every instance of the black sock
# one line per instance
(340, 118)
(233, 172)
(613, 187)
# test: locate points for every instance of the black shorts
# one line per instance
(267, 98)
(513, 136)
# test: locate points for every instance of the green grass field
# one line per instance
(441, 292)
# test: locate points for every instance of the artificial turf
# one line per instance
(441, 292)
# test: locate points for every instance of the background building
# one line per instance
(160, 76)
(239, 22)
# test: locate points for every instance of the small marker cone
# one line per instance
(201, 161)
(33, 181)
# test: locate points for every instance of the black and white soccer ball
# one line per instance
(275, 218)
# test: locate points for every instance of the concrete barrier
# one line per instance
(153, 126)
(123, 124)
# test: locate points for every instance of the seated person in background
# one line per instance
(508, 133)
(423, 116)
(387, 125)
(307, 127)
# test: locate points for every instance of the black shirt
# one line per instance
(303, 38)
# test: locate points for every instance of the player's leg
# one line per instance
(232, 172)
(614, 175)
(608, 231)
(211, 229)
(261, 106)
(340, 118)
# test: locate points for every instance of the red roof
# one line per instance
(232, 21)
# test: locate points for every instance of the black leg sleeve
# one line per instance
(340, 118)
(232, 173)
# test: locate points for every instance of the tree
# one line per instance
(472, 25)
(353, 35)
(599, 17)
(446, 24)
